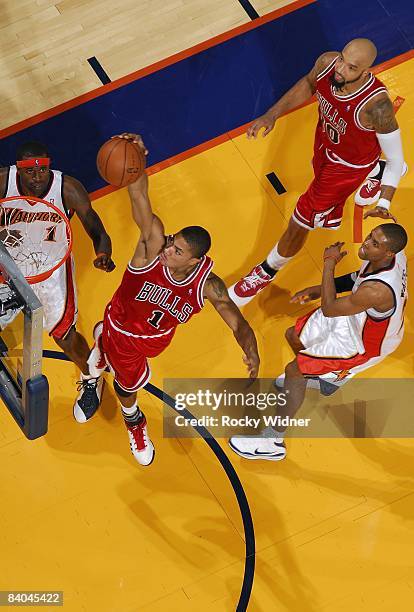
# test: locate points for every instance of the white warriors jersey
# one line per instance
(34, 214)
(382, 332)
(40, 225)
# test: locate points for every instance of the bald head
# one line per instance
(360, 52)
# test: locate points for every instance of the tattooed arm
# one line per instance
(215, 291)
(379, 115)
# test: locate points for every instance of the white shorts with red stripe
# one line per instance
(334, 350)
(59, 300)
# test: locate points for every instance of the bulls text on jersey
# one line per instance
(162, 297)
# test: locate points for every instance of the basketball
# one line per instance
(120, 162)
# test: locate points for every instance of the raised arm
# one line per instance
(302, 91)
(76, 198)
(152, 238)
(370, 294)
(215, 291)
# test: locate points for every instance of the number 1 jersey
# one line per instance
(150, 303)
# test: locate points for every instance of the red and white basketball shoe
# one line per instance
(96, 360)
(249, 286)
(370, 190)
(141, 446)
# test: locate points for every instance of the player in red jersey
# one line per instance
(356, 121)
(165, 284)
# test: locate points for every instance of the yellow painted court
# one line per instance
(333, 522)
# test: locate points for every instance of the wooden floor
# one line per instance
(45, 44)
(333, 523)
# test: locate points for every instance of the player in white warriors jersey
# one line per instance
(32, 176)
(346, 335)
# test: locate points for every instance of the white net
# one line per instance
(35, 235)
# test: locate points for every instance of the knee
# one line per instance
(67, 341)
(120, 392)
(292, 369)
(289, 334)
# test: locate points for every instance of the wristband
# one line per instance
(383, 203)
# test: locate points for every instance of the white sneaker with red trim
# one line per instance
(96, 360)
(370, 190)
(141, 446)
(249, 286)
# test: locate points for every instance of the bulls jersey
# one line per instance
(150, 303)
(381, 332)
(339, 127)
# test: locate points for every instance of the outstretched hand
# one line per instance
(381, 212)
(265, 121)
(133, 138)
(306, 295)
(104, 262)
(334, 252)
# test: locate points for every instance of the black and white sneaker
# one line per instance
(271, 449)
(89, 398)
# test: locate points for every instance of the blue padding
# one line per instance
(219, 89)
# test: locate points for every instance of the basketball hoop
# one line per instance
(37, 235)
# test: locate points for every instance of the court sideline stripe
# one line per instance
(210, 144)
(142, 72)
(98, 70)
(250, 543)
(249, 8)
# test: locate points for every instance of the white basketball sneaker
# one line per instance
(141, 446)
(370, 190)
(263, 447)
(249, 286)
(96, 360)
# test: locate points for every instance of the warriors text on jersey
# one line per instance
(339, 127)
(37, 221)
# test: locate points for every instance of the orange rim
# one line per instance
(37, 278)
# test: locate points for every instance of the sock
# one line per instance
(270, 432)
(85, 376)
(276, 261)
(268, 269)
(131, 415)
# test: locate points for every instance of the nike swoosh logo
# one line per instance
(278, 447)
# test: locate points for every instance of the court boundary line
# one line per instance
(155, 67)
(231, 134)
(249, 536)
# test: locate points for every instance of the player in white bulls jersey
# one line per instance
(32, 176)
(356, 121)
(165, 284)
(346, 335)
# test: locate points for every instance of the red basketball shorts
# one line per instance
(323, 203)
(127, 355)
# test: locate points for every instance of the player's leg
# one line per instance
(74, 345)
(270, 445)
(124, 356)
(290, 243)
(302, 221)
(58, 297)
(141, 446)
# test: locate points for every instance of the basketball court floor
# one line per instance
(333, 523)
